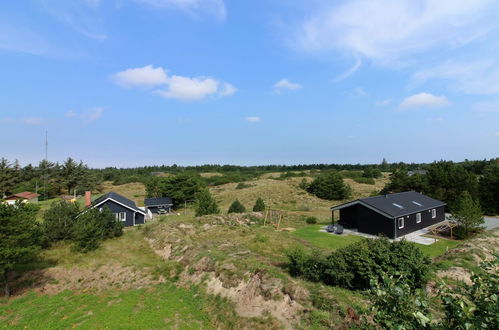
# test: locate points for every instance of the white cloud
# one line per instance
(424, 100)
(387, 30)
(286, 84)
(471, 77)
(145, 76)
(212, 7)
(228, 89)
(253, 119)
(81, 16)
(86, 115)
(185, 88)
(384, 102)
(351, 71)
(34, 121)
(173, 87)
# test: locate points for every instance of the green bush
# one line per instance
(59, 221)
(243, 185)
(236, 207)
(373, 173)
(311, 220)
(259, 205)
(355, 265)
(206, 204)
(467, 213)
(330, 186)
(92, 227)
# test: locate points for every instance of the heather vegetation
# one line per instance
(206, 261)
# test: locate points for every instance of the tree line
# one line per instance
(48, 179)
(447, 181)
(22, 237)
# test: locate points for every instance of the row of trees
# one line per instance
(22, 236)
(47, 178)
(446, 181)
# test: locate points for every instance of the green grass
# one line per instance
(167, 306)
(325, 240)
(333, 242)
(438, 248)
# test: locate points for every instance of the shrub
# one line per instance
(396, 306)
(259, 205)
(206, 204)
(242, 185)
(261, 238)
(468, 216)
(236, 207)
(329, 186)
(310, 266)
(303, 184)
(311, 220)
(93, 226)
(370, 172)
(59, 221)
(179, 188)
(355, 265)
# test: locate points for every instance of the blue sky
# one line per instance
(142, 82)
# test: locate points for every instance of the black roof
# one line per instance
(155, 201)
(118, 198)
(398, 204)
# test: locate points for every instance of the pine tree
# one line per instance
(205, 203)
(259, 205)
(236, 207)
(330, 186)
(20, 239)
(59, 221)
(468, 215)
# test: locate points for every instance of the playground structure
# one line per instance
(442, 228)
(273, 217)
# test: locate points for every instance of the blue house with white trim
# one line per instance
(123, 208)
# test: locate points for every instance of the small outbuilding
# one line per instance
(23, 197)
(158, 205)
(123, 208)
(391, 215)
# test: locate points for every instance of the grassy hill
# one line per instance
(220, 271)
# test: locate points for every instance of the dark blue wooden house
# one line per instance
(158, 205)
(123, 208)
(392, 215)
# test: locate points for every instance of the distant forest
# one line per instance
(443, 180)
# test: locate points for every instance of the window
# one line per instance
(433, 213)
(398, 205)
(418, 217)
(120, 216)
(400, 222)
(416, 203)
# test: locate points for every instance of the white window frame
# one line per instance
(418, 217)
(399, 222)
(120, 216)
(433, 213)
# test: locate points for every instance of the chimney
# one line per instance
(88, 198)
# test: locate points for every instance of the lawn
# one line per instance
(325, 240)
(329, 241)
(164, 306)
(438, 248)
